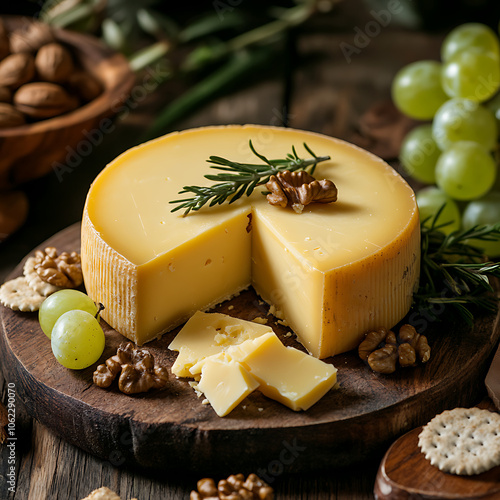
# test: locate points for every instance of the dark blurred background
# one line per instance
(429, 15)
(304, 79)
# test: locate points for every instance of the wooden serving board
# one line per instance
(172, 429)
(406, 474)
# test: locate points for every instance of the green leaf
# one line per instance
(210, 24)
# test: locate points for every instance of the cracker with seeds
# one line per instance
(19, 296)
(34, 280)
(462, 441)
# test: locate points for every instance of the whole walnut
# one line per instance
(16, 70)
(5, 94)
(54, 63)
(10, 116)
(30, 37)
(44, 100)
(84, 85)
(4, 42)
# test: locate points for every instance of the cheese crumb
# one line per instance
(194, 385)
(260, 409)
(288, 334)
(276, 312)
(230, 308)
(261, 321)
(205, 402)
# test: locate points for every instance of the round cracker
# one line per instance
(462, 441)
(35, 282)
(19, 296)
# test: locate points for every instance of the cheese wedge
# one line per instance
(234, 357)
(207, 334)
(333, 272)
(285, 374)
(225, 384)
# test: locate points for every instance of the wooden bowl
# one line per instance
(33, 150)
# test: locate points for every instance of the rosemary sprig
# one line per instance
(242, 178)
(454, 272)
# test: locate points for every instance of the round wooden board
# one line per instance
(406, 474)
(172, 429)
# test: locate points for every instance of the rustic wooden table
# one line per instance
(327, 93)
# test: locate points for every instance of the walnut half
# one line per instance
(298, 189)
(411, 340)
(138, 371)
(235, 487)
(383, 352)
(384, 359)
(63, 270)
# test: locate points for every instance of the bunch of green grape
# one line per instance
(70, 319)
(455, 153)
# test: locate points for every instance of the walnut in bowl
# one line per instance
(63, 83)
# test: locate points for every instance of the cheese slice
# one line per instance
(225, 384)
(333, 272)
(285, 374)
(207, 334)
(234, 357)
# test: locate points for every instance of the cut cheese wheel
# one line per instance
(332, 272)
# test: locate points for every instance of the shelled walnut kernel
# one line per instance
(138, 371)
(235, 487)
(298, 189)
(63, 270)
(383, 352)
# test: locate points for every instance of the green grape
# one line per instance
(464, 120)
(419, 154)
(494, 107)
(469, 35)
(77, 339)
(430, 200)
(60, 302)
(472, 73)
(465, 171)
(417, 91)
(485, 211)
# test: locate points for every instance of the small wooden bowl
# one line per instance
(33, 150)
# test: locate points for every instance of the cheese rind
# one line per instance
(334, 271)
(225, 384)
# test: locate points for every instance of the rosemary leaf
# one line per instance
(242, 178)
(454, 272)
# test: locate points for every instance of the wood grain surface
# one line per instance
(171, 429)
